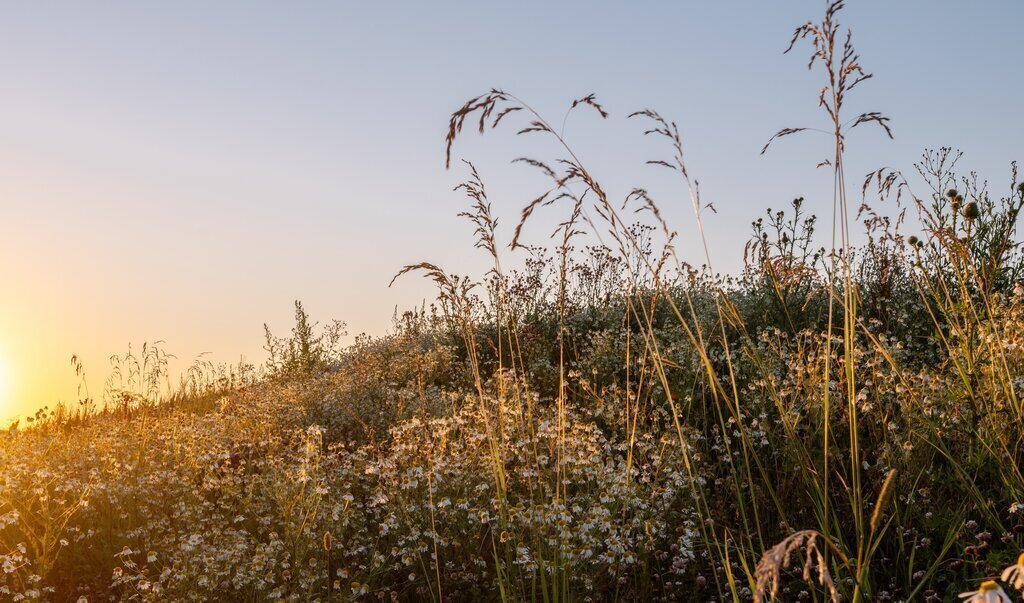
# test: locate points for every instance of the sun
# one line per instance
(5, 388)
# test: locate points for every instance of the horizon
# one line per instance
(168, 177)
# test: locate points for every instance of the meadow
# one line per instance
(605, 421)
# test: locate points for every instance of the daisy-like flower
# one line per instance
(988, 592)
(1015, 573)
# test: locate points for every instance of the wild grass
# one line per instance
(593, 420)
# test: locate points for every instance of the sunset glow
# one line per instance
(331, 302)
(5, 389)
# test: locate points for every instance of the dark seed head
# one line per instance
(971, 211)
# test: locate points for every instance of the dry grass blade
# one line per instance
(485, 105)
(539, 165)
(481, 216)
(780, 134)
(873, 117)
(885, 180)
(525, 215)
(431, 270)
(843, 71)
(778, 558)
(883, 498)
(591, 100)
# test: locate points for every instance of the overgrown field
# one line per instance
(602, 422)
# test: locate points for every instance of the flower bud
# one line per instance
(971, 211)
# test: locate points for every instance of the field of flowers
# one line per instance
(385, 470)
(283, 490)
(602, 422)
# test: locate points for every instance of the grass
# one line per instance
(601, 422)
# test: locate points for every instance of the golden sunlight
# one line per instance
(542, 389)
(5, 388)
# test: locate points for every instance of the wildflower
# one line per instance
(971, 211)
(1014, 574)
(988, 592)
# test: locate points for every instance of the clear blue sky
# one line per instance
(183, 170)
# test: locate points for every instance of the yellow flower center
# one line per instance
(987, 586)
(1020, 560)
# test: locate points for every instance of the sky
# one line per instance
(184, 171)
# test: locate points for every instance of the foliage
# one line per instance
(306, 352)
(603, 421)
